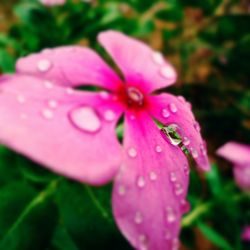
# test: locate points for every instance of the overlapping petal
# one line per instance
(236, 153)
(149, 192)
(70, 66)
(52, 2)
(169, 109)
(70, 132)
(139, 63)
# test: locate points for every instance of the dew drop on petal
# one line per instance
(158, 149)
(197, 127)
(69, 91)
(178, 189)
(43, 65)
(203, 149)
(194, 153)
(165, 113)
(143, 242)
(121, 190)
(48, 114)
(52, 104)
(104, 95)
(152, 176)
(167, 72)
(21, 99)
(171, 217)
(141, 182)
(132, 152)
(185, 141)
(48, 84)
(85, 118)
(138, 218)
(170, 134)
(173, 176)
(158, 58)
(173, 108)
(109, 115)
(186, 169)
(168, 235)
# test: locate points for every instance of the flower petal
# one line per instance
(137, 61)
(149, 192)
(242, 176)
(71, 132)
(70, 65)
(169, 109)
(235, 152)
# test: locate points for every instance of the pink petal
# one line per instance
(70, 66)
(150, 190)
(71, 132)
(246, 233)
(235, 152)
(242, 176)
(52, 2)
(139, 63)
(169, 109)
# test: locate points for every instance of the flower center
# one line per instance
(134, 97)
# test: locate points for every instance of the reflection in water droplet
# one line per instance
(43, 65)
(173, 108)
(138, 218)
(109, 115)
(141, 182)
(143, 242)
(47, 113)
(85, 118)
(165, 113)
(170, 134)
(132, 152)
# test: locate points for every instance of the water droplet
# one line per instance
(203, 149)
(171, 217)
(165, 113)
(138, 218)
(173, 108)
(132, 152)
(186, 169)
(141, 182)
(135, 96)
(121, 190)
(194, 153)
(168, 235)
(173, 176)
(48, 84)
(44, 65)
(197, 127)
(158, 149)
(52, 104)
(21, 99)
(104, 95)
(170, 133)
(143, 242)
(152, 176)
(185, 141)
(109, 115)
(158, 58)
(85, 118)
(178, 189)
(167, 72)
(69, 91)
(48, 114)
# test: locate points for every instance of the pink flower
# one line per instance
(52, 2)
(239, 155)
(246, 233)
(72, 132)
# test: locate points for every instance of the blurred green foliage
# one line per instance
(209, 43)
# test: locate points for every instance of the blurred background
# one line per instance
(208, 41)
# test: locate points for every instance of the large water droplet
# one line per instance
(141, 182)
(43, 65)
(109, 115)
(173, 176)
(158, 58)
(178, 189)
(165, 113)
(170, 133)
(158, 149)
(167, 72)
(138, 218)
(85, 118)
(48, 114)
(171, 217)
(173, 108)
(132, 152)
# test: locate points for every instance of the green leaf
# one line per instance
(214, 237)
